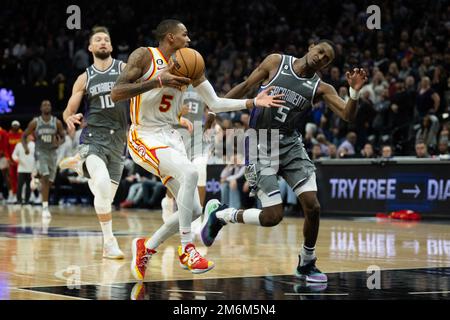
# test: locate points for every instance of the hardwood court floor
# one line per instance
(61, 259)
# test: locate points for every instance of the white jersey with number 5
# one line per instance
(159, 107)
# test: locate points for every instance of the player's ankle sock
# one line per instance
(228, 215)
(107, 230)
(44, 205)
(186, 237)
(306, 255)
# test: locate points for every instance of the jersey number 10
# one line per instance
(106, 102)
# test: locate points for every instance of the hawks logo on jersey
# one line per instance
(141, 151)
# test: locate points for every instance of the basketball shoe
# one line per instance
(193, 260)
(74, 163)
(138, 292)
(211, 224)
(310, 273)
(141, 257)
(111, 250)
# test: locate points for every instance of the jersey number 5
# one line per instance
(282, 114)
(166, 103)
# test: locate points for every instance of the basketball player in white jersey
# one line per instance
(155, 145)
(104, 139)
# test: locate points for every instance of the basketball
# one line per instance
(188, 63)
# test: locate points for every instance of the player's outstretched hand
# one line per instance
(264, 99)
(170, 80)
(356, 78)
(74, 120)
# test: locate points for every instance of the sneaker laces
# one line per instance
(145, 258)
(194, 255)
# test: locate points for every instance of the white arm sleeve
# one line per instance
(216, 104)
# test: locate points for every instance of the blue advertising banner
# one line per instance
(366, 187)
(213, 181)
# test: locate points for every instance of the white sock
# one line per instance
(228, 215)
(251, 216)
(44, 205)
(107, 230)
(306, 255)
(186, 237)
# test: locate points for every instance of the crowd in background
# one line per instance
(403, 109)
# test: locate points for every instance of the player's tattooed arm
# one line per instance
(258, 76)
(127, 85)
(345, 110)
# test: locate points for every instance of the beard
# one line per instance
(102, 55)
